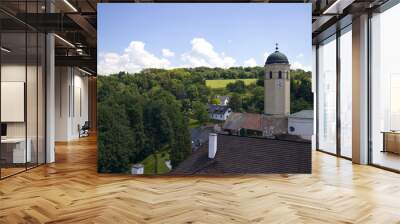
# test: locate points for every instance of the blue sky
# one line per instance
(136, 36)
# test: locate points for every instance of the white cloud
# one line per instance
(167, 52)
(203, 54)
(134, 59)
(301, 55)
(298, 65)
(251, 62)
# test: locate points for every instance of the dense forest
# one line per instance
(147, 115)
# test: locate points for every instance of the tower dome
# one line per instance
(277, 84)
(277, 58)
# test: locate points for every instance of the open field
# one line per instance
(221, 83)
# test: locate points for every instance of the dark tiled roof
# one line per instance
(240, 155)
(200, 135)
(217, 109)
(289, 137)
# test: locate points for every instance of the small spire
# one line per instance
(276, 46)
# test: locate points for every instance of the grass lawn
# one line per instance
(221, 83)
(193, 123)
(149, 163)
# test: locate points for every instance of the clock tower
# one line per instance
(277, 84)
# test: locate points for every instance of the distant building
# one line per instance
(218, 112)
(277, 84)
(255, 124)
(224, 100)
(239, 155)
(301, 124)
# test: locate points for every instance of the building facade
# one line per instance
(356, 82)
(301, 124)
(277, 84)
(218, 112)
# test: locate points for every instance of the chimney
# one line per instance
(212, 145)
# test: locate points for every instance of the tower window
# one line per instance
(280, 75)
(270, 75)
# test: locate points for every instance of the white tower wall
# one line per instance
(277, 89)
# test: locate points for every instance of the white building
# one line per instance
(224, 100)
(301, 124)
(219, 113)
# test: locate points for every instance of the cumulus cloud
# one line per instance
(203, 54)
(134, 58)
(298, 65)
(167, 52)
(251, 62)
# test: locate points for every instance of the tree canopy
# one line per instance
(146, 113)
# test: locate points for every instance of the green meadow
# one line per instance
(222, 83)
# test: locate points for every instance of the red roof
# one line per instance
(256, 122)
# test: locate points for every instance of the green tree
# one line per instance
(235, 103)
(135, 118)
(301, 96)
(143, 113)
(192, 92)
(186, 106)
(181, 146)
(200, 112)
(257, 99)
(216, 101)
(158, 127)
(114, 139)
(237, 87)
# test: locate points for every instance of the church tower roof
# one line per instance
(277, 58)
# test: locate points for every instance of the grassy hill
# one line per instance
(221, 83)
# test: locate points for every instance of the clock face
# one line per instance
(279, 83)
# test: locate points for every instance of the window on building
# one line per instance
(270, 75)
(327, 95)
(280, 75)
(346, 93)
(385, 88)
(22, 78)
